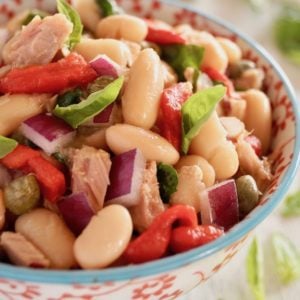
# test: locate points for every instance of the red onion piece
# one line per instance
(126, 177)
(48, 132)
(219, 205)
(76, 211)
(104, 66)
(5, 177)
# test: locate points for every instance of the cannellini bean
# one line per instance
(143, 90)
(208, 171)
(189, 187)
(211, 143)
(237, 108)
(233, 126)
(232, 50)
(14, 109)
(89, 13)
(258, 117)
(48, 232)
(105, 238)
(90, 137)
(123, 137)
(2, 210)
(250, 79)
(122, 27)
(116, 50)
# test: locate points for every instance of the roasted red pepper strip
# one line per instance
(50, 179)
(160, 35)
(186, 238)
(169, 121)
(67, 73)
(215, 75)
(153, 243)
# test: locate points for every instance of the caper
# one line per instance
(237, 69)
(248, 193)
(22, 194)
(99, 84)
(69, 98)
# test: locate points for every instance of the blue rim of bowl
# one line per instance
(179, 260)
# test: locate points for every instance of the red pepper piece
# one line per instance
(51, 180)
(67, 73)
(169, 121)
(187, 238)
(158, 33)
(215, 75)
(255, 144)
(153, 243)
(19, 157)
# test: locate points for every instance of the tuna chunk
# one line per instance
(21, 252)
(90, 174)
(38, 42)
(150, 205)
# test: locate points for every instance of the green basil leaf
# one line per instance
(64, 8)
(6, 145)
(196, 111)
(108, 7)
(291, 206)
(32, 14)
(168, 181)
(77, 114)
(180, 57)
(287, 258)
(287, 33)
(254, 269)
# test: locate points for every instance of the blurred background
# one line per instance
(256, 18)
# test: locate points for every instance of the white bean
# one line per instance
(258, 116)
(14, 109)
(105, 238)
(48, 232)
(208, 171)
(89, 13)
(233, 126)
(122, 27)
(123, 137)
(232, 50)
(116, 50)
(143, 90)
(211, 143)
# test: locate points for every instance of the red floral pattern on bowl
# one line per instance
(168, 282)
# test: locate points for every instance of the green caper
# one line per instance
(237, 69)
(99, 84)
(248, 193)
(22, 194)
(69, 98)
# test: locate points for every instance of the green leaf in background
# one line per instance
(254, 269)
(32, 14)
(287, 33)
(64, 8)
(181, 57)
(196, 111)
(291, 205)
(168, 181)
(6, 145)
(108, 7)
(77, 114)
(287, 258)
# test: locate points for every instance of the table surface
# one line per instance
(230, 283)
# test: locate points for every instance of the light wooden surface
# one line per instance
(230, 283)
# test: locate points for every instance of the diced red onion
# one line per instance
(219, 205)
(126, 177)
(104, 118)
(104, 66)
(48, 132)
(76, 211)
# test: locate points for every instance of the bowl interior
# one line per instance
(285, 137)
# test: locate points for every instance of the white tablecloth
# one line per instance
(230, 283)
